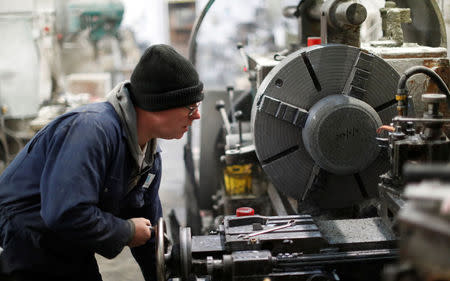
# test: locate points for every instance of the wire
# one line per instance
(385, 128)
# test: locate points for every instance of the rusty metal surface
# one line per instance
(406, 51)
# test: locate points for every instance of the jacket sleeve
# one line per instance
(145, 255)
(72, 180)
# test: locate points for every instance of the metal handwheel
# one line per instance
(185, 253)
(163, 250)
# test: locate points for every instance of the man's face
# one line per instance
(173, 123)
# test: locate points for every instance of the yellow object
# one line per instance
(400, 97)
(238, 179)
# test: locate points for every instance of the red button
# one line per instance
(314, 41)
(244, 211)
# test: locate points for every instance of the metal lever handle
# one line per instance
(244, 56)
(154, 229)
(247, 236)
(230, 91)
(220, 106)
(238, 116)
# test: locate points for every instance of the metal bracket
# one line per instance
(283, 111)
(356, 85)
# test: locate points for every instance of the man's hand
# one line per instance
(142, 232)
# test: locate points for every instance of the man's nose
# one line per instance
(196, 115)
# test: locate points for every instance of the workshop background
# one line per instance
(85, 64)
(123, 267)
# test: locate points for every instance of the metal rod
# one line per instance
(225, 120)
(427, 120)
(230, 90)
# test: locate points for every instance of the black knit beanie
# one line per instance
(164, 79)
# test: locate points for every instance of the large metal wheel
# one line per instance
(314, 123)
(185, 252)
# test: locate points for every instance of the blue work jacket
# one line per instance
(68, 193)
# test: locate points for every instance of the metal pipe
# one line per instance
(189, 162)
(193, 36)
(423, 120)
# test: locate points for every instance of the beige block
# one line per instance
(97, 85)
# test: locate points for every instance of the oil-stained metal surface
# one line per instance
(209, 243)
(296, 231)
(356, 233)
(392, 20)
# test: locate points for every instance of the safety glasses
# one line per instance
(192, 109)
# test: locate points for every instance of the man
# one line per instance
(88, 182)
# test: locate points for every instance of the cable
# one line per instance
(402, 92)
(424, 70)
(193, 36)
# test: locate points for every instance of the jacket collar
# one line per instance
(120, 99)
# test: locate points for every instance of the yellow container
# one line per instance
(238, 179)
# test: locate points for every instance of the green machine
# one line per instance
(100, 17)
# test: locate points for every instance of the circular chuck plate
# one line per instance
(314, 123)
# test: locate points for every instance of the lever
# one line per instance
(240, 47)
(220, 106)
(238, 116)
(230, 91)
